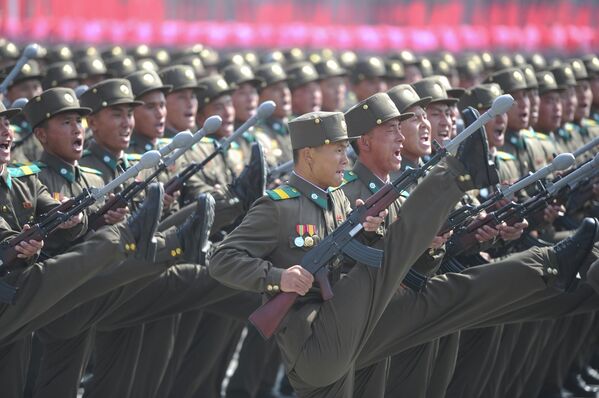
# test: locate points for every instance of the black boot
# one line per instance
(194, 232)
(473, 153)
(251, 183)
(144, 222)
(571, 253)
(590, 376)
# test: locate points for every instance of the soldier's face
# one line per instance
(413, 74)
(7, 136)
(93, 80)
(333, 94)
(495, 129)
(26, 89)
(368, 87)
(595, 91)
(245, 101)
(383, 146)
(584, 95)
(112, 127)
(417, 133)
(439, 116)
(535, 101)
(569, 104)
(327, 163)
(280, 94)
(223, 107)
(62, 136)
(150, 118)
(518, 114)
(181, 109)
(550, 112)
(306, 98)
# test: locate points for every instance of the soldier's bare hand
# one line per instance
(29, 248)
(116, 216)
(168, 200)
(295, 279)
(486, 233)
(512, 232)
(552, 212)
(440, 240)
(71, 222)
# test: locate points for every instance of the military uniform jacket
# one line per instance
(526, 148)
(507, 167)
(276, 233)
(65, 180)
(273, 135)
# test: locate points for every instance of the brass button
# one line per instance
(269, 288)
(275, 288)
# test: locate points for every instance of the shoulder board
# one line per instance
(207, 140)
(527, 133)
(133, 156)
(86, 152)
(19, 164)
(283, 192)
(589, 122)
(22, 171)
(163, 141)
(90, 170)
(540, 136)
(505, 156)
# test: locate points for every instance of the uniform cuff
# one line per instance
(273, 280)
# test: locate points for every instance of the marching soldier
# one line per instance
(333, 85)
(181, 101)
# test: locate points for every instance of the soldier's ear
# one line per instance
(41, 134)
(364, 143)
(91, 122)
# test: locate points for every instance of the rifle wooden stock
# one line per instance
(269, 316)
(96, 220)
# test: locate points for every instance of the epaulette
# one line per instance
(21, 171)
(505, 156)
(133, 156)
(283, 192)
(540, 136)
(207, 140)
(348, 176)
(589, 122)
(86, 152)
(90, 170)
(163, 142)
(527, 133)
(19, 164)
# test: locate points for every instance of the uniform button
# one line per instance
(275, 288)
(314, 196)
(63, 171)
(173, 253)
(106, 159)
(372, 185)
(269, 288)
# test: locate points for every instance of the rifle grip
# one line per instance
(267, 318)
(322, 277)
(172, 186)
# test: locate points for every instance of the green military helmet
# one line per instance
(591, 62)
(580, 71)
(503, 61)
(8, 50)
(509, 79)
(141, 51)
(252, 59)
(209, 57)
(114, 52)
(315, 129)
(142, 82)
(480, 96)
(564, 76)
(211, 88)
(431, 87)
(301, 73)
(406, 57)
(442, 67)
(179, 77)
(59, 73)
(107, 93)
(236, 75)
(395, 69)
(91, 66)
(231, 59)
(530, 76)
(368, 67)
(120, 67)
(59, 53)
(162, 57)
(426, 67)
(348, 59)
(294, 55)
(487, 61)
(452, 92)
(330, 68)
(538, 61)
(404, 97)
(470, 66)
(271, 73)
(195, 62)
(371, 112)
(30, 70)
(147, 64)
(8, 113)
(547, 83)
(52, 102)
